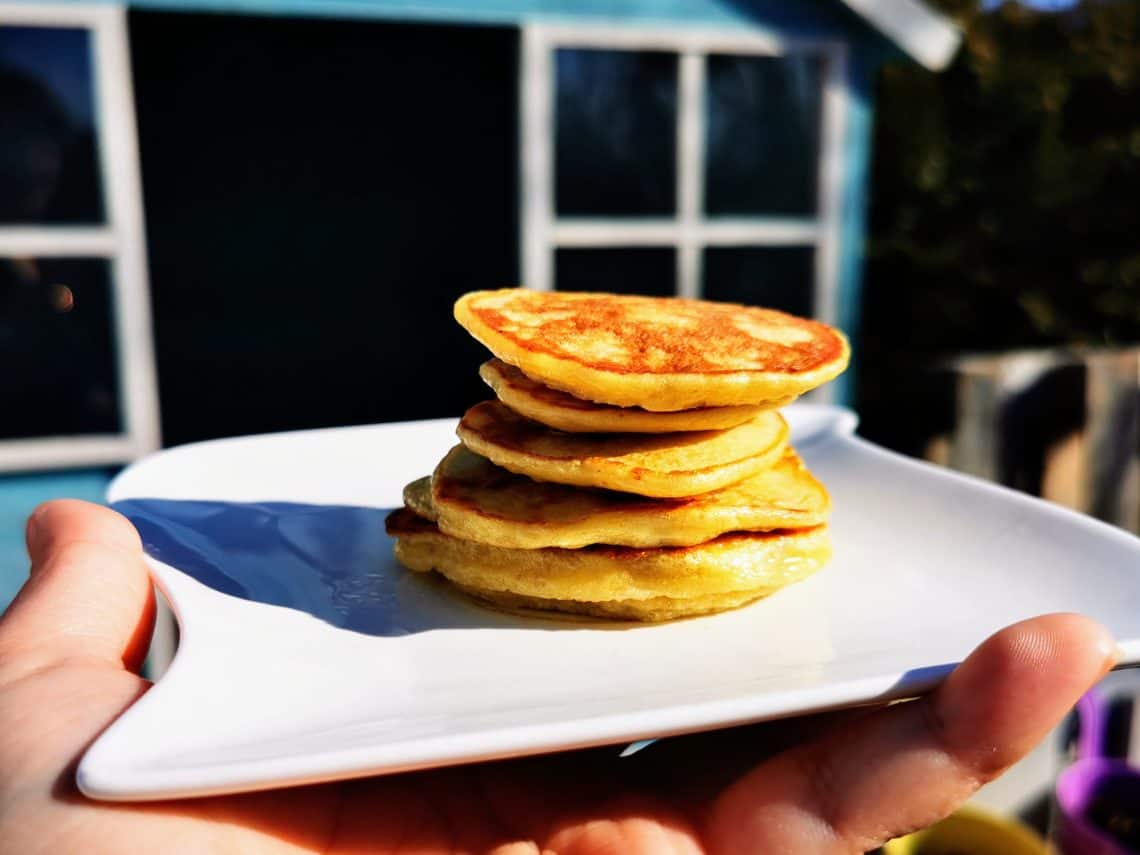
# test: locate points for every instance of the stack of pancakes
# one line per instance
(634, 464)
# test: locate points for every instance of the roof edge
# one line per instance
(926, 36)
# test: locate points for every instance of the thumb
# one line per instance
(88, 596)
(904, 767)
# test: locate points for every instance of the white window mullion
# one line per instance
(617, 35)
(830, 205)
(54, 452)
(830, 200)
(601, 231)
(123, 187)
(758, 231)
(690, 170)
(688, 269)
(57, 241)
(536, 158)
(726, 231)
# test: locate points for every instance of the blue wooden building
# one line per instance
(232, 216)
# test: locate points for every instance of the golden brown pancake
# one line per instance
(664, 465)
(473, 499)
(648, 610)
(616, 581)
(565, 412)
(417, 496)
(659, 353)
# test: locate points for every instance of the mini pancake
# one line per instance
(417, 496)
(565, 412)
(659, 353)
(616, 581)
(472, 499)
(666, 465)
(648, 610)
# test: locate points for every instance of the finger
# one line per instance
(88, 595)
(712, 760)
(907, 766)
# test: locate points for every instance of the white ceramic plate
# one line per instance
(326, 660)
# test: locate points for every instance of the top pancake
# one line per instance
(659, 353)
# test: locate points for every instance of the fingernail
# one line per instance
(1114, 656)
(34, 527)
(33, 522)
(1111, 653)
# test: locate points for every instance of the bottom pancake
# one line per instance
(615, 581)
(649, 610)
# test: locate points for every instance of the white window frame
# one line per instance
(689, 231)
(121, 241)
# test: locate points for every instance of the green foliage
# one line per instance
(1005, 201)
(1006, 191)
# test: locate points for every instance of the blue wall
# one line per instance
(820, 18)
(19, 495)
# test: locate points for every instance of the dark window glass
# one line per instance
(615, 137)
(762, 137)
(622, 270)
(304, 263)
(49, 168)
(776, 277)
(57, 352)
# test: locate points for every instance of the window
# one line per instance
(681, 162)
(76, 371)
(305, 260)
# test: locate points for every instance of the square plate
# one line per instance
(308, 654)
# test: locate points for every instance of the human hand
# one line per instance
(71, 643)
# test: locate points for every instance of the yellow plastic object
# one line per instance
(971, 831)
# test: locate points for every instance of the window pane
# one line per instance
(57, 351)
(623, 270)
(287, 286)
(49, 168)
(776, 277)
(615, 136)
(762, 137)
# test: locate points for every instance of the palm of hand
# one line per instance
(504, 808)
(70, 644)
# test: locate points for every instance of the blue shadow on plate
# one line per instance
(333, 562)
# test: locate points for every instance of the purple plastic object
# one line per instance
(1095, 790)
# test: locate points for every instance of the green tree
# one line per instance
(1005, 199)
